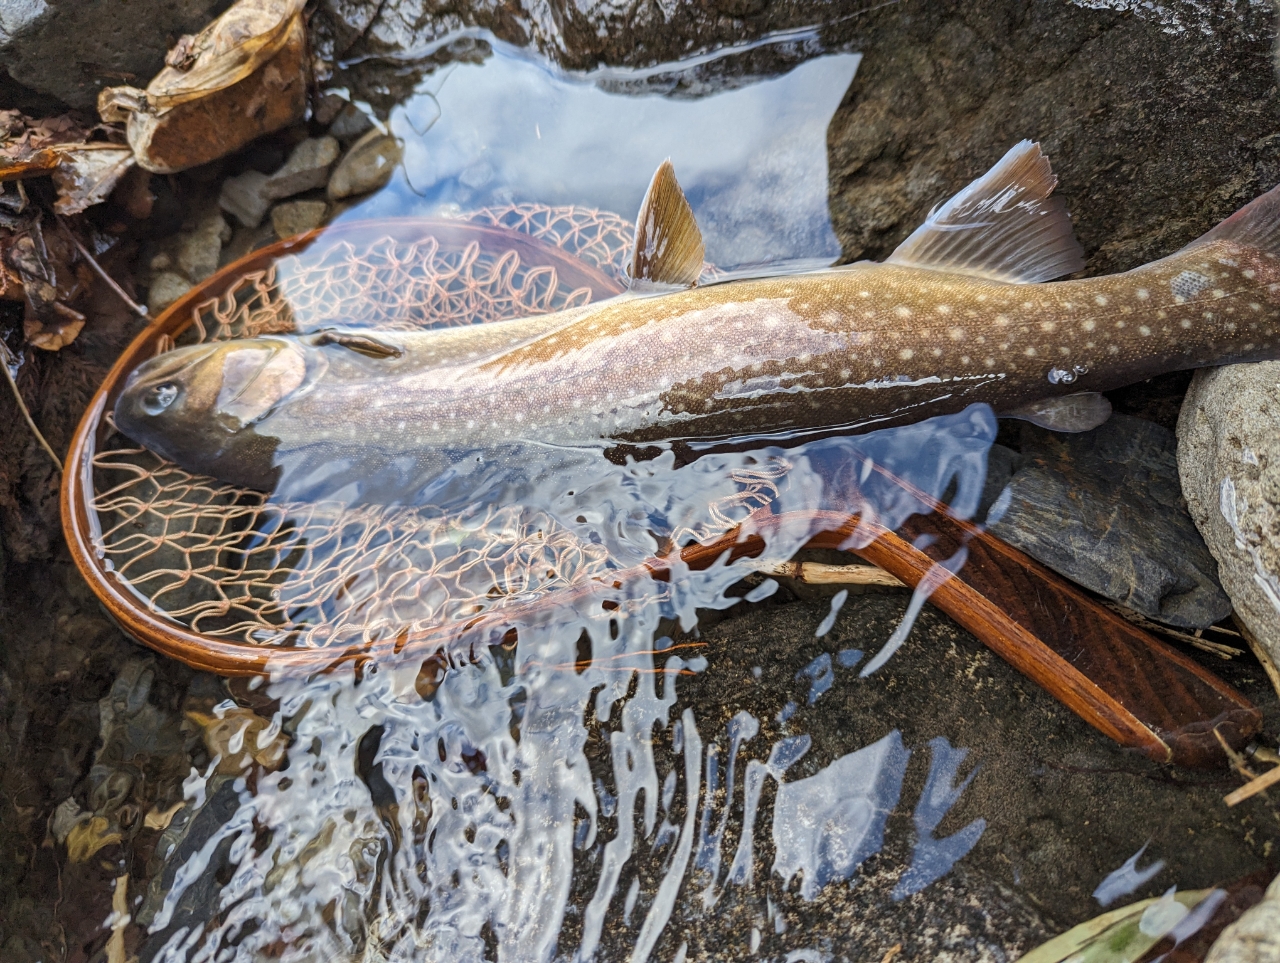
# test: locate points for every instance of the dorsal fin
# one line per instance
(1256, 224)
(1003, 226)
(668, 245)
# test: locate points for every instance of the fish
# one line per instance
(966, 310)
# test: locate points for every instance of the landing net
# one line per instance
(233, 564)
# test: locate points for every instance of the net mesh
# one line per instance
(232, 564)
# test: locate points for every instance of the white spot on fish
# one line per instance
(906, 354)
(1088, 325)
(1100, 300)
(1143, 330)
(1143, 294)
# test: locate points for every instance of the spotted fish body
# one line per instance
(953, 318)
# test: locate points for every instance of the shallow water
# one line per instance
(562, 795)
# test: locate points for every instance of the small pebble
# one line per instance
(297, 217)
(367, 166)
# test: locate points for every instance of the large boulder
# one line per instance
(1229, 459)
(71, 49)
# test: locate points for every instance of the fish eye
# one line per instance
(160, 397)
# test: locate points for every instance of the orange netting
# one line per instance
(229, 563)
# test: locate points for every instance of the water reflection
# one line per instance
(547, 792)
(752, 160)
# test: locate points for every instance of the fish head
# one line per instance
(200, 406)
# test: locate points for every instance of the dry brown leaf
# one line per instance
(56, 333)
(89, 836)
(235, 739)
(161, 818)
(227, 51)
(86, 174)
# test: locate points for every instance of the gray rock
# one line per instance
(1255, 936)
(297, 217)
(71, 49)
(196, 250)
(243, 197)
(1104, 509)
(307, 168)
(166, 287)
(367, 166)
(350, 123)
(1229, 458)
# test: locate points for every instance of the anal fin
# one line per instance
(668, 246)
(1082, 411)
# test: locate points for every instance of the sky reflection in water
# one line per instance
(752, 161)
(480, 814)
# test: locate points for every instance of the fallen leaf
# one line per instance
(245, 37)
(201, 71)
(87, 173)
(89, 836)
(1123, 934)
(161, 818)
(56, 334)
(236, 737)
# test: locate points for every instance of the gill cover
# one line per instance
(197, 406)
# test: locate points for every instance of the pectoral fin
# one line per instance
(668, 245)
(1003, 226)
(1082, 411)
(361, 343)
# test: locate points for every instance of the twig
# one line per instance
(891, 953)
(134, 306)
(1237, 761)
(816, 573)
(6, 359)
(1253, 787)
(1263, 754)
(1221, 650)
(1260, 651)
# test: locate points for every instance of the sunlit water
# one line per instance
(457, 820)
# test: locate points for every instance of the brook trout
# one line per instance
(956, 315)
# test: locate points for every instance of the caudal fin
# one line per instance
(1257, 224)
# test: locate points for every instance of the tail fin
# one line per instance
(1257, 224)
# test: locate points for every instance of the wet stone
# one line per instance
(367, 166)
(243, 197)
(1104, 508)
(196, 251)
(166, 287)
(1229, 456)
(1255, 937)
(307, 168)
(297, 217)
(350, 124)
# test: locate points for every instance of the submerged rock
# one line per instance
(1229, 458)
(1255, 937)
(1103, 508)
(307, 167)
(367, 166)
(244, 198)
(297, 217)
